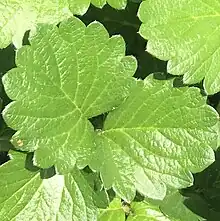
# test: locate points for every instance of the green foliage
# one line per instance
(93, 127)
(27, 196)
(69, 78)
(187, 34)
(119, 4)
(149, 139)
(17, 16)
(137, 211)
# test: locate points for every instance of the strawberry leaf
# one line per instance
(136, 211)
(27, 196)
(114, 212)
(17, 17)
(68, 75)
(187, 34)
(174, 206)
(155, 139)
(118, 4)
(142, 211)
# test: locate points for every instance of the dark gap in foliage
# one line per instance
(25, 40)
(98, 121)
(29, 163)
(7, 62)
(47, 173)
(5, 144)
(44, 173)
(3, 157)
(138, 197)
(126, 23)
(148, 64)
(111, 194)
(5, 99)
(204, 196)
(87, 170)
(7, 59)
(214, 101)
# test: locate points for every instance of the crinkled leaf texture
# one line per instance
(16, 16)
(155, 139)
(68, 75)
(25, 196)
(187, 34)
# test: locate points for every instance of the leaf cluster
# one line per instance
(110, 110)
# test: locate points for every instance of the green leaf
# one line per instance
(142, 211)
(28, 197)
(118, 4)
(155, 139)
(16, 17)
(114, 212)
(204, 195)
(187, 34)
(137, 211)
(68, 75)
(173, 205)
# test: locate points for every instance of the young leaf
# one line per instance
(155, 139)
(67, 75)
(26, 196)
(187, 34)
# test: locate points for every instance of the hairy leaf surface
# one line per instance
(28, 197)
(67, 75)
(155, 139)
(187, 34)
